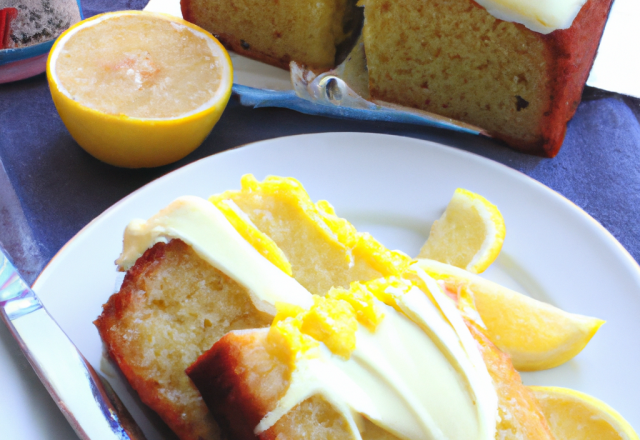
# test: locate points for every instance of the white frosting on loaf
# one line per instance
(542, 16)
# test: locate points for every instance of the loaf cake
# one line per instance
(174, 304)
(277, 32)
(454, 58)
(245, 380)
(204, 277)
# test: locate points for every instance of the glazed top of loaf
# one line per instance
(542, 16)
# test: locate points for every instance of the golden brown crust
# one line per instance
(231, 378)
(114, 311)
(225, 381)
(520, 86)
(571, 53)
(519, 411)
(173, 306)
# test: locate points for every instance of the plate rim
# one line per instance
(625, 266)
(257, 144)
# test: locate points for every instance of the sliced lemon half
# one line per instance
(469, 234)
(573, 415)
(536, 335)
(139, 89)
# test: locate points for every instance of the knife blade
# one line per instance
(87, 402)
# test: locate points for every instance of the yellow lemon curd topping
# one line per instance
(413, 370)
(394, 350)
(542, 16)
(335, 229)
(259, 240)
(332, 320)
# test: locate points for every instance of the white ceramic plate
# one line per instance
(394, 188)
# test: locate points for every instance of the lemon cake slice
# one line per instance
(189, 281)
(200, 269)
(515, 69)
(324, 250)
(387, 359)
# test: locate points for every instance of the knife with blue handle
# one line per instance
(88, 403)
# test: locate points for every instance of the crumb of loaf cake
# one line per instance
(316, 419)
(452, 58)
(231, 378)
(324, 250)
(240, 380)
(520, 416)
(173, 306)
(278, 32)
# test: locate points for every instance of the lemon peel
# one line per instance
(116, 137)
(536, 335)
(573, 415)
(468, 235)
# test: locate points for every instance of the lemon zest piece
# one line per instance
(333, 322)
(362, 301)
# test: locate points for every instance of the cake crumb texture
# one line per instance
(453, 58)
(242, 381)
(277, 31)
(172, 307)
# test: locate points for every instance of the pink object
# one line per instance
(23, 69)
(7, 15)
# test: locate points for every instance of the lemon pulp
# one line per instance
(165, 70)
(469, 234)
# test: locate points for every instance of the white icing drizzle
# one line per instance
(202, 226)
(419, 375)
(543, 16)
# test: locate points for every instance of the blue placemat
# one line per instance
(57, 188)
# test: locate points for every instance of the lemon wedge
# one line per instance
(139, 89)
(536, 335)
(469, 234)
(573, 415)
